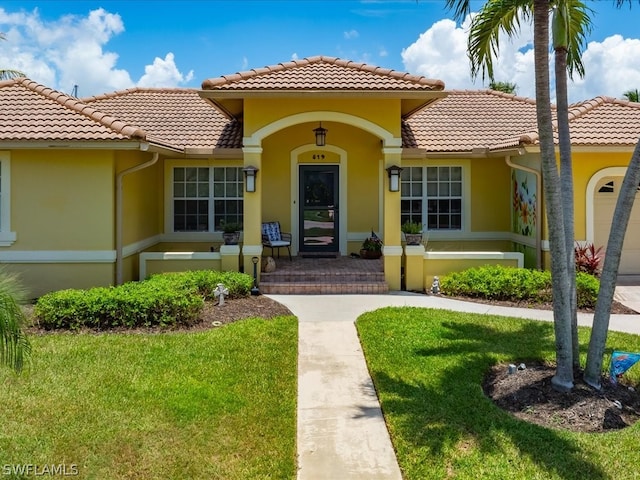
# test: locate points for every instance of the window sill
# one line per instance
(7, 239)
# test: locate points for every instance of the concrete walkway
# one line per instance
(341, 430)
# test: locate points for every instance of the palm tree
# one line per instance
(608, 278)
(506, 87)
(571, 16)
(15, 348)
(609, 275)
(7, 74)
(632, 95)
(571, 23)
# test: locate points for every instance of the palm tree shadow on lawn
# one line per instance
(443, 413)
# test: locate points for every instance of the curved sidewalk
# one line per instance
(341, 430)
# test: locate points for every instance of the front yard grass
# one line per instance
(214, 404)
(428, 367)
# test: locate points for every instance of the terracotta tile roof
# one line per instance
(30, 111)
(322, 73)
(467, 120)
(605, 121)
(602, 121)
(173, 116)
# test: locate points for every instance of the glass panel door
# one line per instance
(319, 208)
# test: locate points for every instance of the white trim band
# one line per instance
(519, 257)
(58, 256)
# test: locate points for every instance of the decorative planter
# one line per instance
(370, 254)
(232, 238)
(413, 238)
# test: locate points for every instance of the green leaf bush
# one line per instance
(163, 300)
(496, 282)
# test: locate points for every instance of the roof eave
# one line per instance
(231, 102)
(74, 144)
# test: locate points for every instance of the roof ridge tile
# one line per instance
(127, 91)
(212, 83)
(82, 108)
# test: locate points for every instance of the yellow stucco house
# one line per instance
(112, 188)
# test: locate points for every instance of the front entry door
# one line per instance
(319, 212)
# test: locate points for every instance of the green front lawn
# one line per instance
(214, 404)
(428, 366)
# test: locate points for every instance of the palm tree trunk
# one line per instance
(598, 340)
(566, 183)
(563, 378)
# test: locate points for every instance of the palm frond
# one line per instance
(578, 26)
(460, 8)
(15, 348)
(8, 74)
(496, 16)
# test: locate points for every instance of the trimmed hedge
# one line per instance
(163, 300)
(495, 282)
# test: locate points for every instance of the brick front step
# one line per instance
(342, 275)
(306, 288)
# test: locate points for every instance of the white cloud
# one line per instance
(71, 51)
(294, 56)
(612, 66)
(441, 52)
(163, 73)
(351, 34)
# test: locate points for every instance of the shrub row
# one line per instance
(163, 300)
(495, 282)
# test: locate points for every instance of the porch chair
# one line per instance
(273, 237)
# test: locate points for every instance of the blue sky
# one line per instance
(109, 45)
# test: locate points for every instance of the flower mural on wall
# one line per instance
(523, 194)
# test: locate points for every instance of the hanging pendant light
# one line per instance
(321, 135)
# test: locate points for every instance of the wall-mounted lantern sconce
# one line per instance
(250, 178)
(321, 135)
(394, 178)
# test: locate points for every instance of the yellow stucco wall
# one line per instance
(39, 279)
(362, 169)
(162, 266)
(62, 200)
(142, 196)
(259, 112)
(490, 195)
(585, 165)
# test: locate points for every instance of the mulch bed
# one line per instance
(528, 395)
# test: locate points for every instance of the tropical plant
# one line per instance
(411, 227)
(372, 243)
(632, 95)
(230, 227)
(505, 87)
(571, 23)
(570, 27)
(609, 276)
(15, 348)
(588, 258)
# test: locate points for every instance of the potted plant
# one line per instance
(230, 232)
(371, 247)
(412, 232)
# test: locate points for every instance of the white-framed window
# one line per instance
(7, 237)
(433, 196)
(204, 197)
